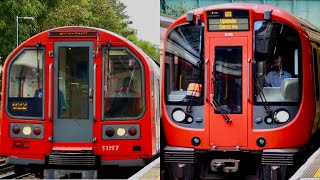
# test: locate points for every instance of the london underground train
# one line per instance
(240, 89)
(79, 97)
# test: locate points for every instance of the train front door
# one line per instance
(228, 115)
(73, 92)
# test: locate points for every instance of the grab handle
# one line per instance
(50, 92)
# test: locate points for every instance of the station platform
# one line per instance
(151, 171)
(310, 170)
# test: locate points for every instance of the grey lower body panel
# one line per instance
(121, 163)
(124, 163)
(23, 161)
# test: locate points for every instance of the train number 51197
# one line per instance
(110, 148)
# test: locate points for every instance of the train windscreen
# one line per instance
(184, 63)
(278, 63)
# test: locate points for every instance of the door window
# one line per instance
(228, 78)
(73, 82)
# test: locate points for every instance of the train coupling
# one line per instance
(225, 165)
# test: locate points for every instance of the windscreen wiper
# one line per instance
(217, 106)
(262, 97)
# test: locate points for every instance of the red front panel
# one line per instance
(110, 149)
(230, 88)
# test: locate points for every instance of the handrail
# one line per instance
(207, 80)
(94, 91)
(249, 61)
(50, 91)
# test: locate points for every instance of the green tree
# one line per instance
(9, 9)
(105, 14)
(177, 9)
(151, 49)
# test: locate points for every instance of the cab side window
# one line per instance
(25, 85)
(123, 85)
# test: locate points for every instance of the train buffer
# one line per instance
(310, 170)
(151, 171)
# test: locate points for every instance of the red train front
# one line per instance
(79, 96)
(239, 86)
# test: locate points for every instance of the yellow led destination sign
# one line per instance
(228, 20)
(228, 24)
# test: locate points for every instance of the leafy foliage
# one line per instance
(147, 47)
(176, 9)
(105, 14)
(9, 9)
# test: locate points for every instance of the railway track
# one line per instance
(26, 175)
(8, 171)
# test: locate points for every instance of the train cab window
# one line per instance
(278, 63)
(123, 85)
(25, 85)
(184, 65)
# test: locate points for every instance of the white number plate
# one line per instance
(228, 34)
(110, 148)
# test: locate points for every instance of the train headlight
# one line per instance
(16, 129)
(109, 131)
(37, 131)
(26, 130)
(132, 131)
(178, 115)
(281, 116)
(190, 119)
(121, 131)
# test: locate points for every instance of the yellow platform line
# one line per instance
(317, 174)
(145, 170)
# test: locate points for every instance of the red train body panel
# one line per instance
(226, 31)
(133, 150)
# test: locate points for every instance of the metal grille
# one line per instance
(277, 158)
(179, 156)
(70, 159)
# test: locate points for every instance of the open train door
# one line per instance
(73, 92)
(229, 93)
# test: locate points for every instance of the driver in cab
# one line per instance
(275, 77)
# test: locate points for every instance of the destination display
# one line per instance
(73, 34)
(228, 20)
